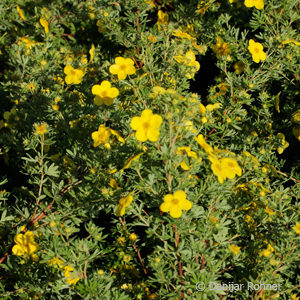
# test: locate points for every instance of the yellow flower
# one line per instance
(231, 167)
(130, 160)
(132, 237)
(267, 252)
(101, 136)
(181, 151)
(31, 87)
(41, 129)
(259, 4)
(52, 224)
(84, 60)
(28, 42)
(162, 18)
(297, 228)
(100, 272)
(122, 67)
(152, 38)
(223, 87)
(201, 141)
(25, 245)
(55, 261)
(123, 203)
(256, 49)
(234, 249)
(187, 150)
(269, 211)
(70, 275)
(211, 107)
(55, 107)
(21, 14)
(294, 297)
(290, 41)
(204, 120)
(101, 26)
(221, 48)
(73, 75)
(117, 135)
(190, 60)
(157, 90)
(175, 203)
(146, 126)
(284, 143)
(239, 67)
(296, 116)
(202, 7)
(225, 168)
(121, 240)
(45, 24)
(104, 93)
(190, 126)
(182, 34)
(296, 133)
(126, 258)
(150, 3)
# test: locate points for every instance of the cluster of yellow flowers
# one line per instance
(284, 143)
(105, 93)
(173, 203)
(25, 246)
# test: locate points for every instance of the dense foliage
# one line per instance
(147, 146)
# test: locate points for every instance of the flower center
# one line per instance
(123, 67)
(230, 165)
(219, 167)
(256, 50)
(146, 125)
(175, 201)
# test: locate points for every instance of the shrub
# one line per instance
(149, 149)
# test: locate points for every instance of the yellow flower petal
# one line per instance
(175, 212)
